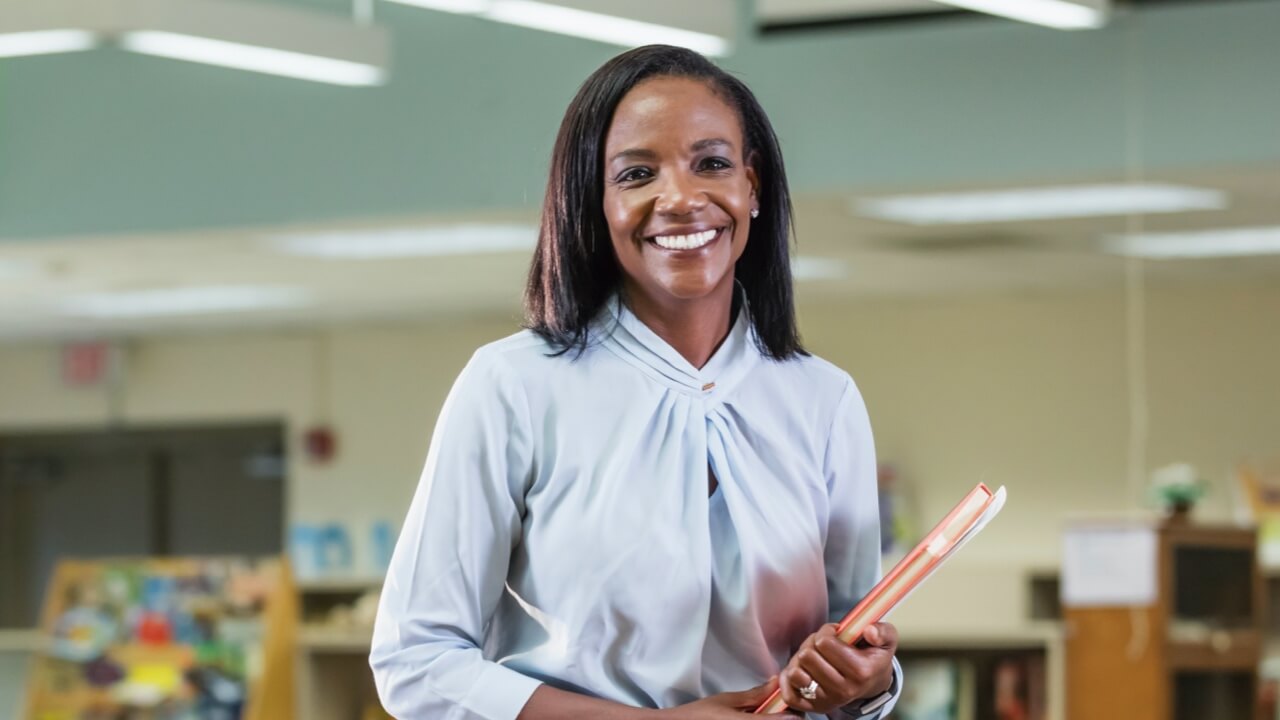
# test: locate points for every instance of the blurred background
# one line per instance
(247, 245)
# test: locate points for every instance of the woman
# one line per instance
(647, 502)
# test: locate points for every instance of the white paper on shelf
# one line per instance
(1109, 566)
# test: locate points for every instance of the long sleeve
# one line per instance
(450, 564)
(852, 551)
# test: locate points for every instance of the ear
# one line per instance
(753, 177)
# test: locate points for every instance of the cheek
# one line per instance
(624, 219)
(740, 246)
(739, 208)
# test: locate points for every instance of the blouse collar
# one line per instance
(627, 336)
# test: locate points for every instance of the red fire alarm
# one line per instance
(321, 443)
(87, 364)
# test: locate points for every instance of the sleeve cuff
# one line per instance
(500, 693)
(874, 707)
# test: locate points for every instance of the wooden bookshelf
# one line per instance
(235, 617)
(1193, 653)
(977, 653)
(334, 679)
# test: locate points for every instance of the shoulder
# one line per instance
(833, 401)
(526, 377)
(513, 351)
(503, 362)
(521, 362)
(806, 392)
(821, 378)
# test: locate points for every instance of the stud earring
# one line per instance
(755, 212)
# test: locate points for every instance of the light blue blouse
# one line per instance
(562, 530)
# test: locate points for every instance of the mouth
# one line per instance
(691, 241)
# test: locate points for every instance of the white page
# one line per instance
(1109, 566)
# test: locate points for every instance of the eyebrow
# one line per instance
(643, 154)
(633, 154)
(711, 142)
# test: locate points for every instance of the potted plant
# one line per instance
(1176, 488)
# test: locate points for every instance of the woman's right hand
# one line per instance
(725, 706)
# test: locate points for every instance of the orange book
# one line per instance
(960, 525)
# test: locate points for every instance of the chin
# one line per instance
(690, 289)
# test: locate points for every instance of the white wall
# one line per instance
(13, 671)
(380, 389)
(1032, 393)
(1028, 392)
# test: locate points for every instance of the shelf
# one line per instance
(1214, 536)
(340, 585)
(951, 638)
(1237, 650)
(1192, 653)
(20, 641)
(335, 640)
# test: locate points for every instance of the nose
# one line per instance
(679, 194)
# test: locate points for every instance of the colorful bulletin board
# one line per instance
(166, 639)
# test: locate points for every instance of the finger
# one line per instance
(797, 679)
(869, 672)
(826, 631)
(788, 686)
(756, 695)
(830, 681)
(886, 635)
(852, 664)
(751, 696)
(867, 669)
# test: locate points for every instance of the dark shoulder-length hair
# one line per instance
(574, 269)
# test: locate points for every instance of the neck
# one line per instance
(695, 328)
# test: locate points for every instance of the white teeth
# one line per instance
(685, 242)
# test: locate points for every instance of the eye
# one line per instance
(634, 174)
(714, 163)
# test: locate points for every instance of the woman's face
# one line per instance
(678, 191)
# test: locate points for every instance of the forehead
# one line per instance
(670, 110)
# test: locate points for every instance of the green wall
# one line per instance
(108, 142)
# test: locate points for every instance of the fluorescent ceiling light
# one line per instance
(597, 26)
(46, 42)
(409, 242)
(1060, 14)
(1228, 242)
(243, 34)
(1071, 201)
(604, 28)
(253, 58)
(462, 7)
(184, 301)
(807, 267)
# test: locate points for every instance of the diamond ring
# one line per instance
(810, 691)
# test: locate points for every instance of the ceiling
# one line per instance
(122, 173)
(107, 143)
(875, 259)
(779, 12)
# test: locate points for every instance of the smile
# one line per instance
(692, 241)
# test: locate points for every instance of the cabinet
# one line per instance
(1192, 653)
(334, 679)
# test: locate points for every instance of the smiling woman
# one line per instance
(661, 141)
(649, 502)
(678, 197)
